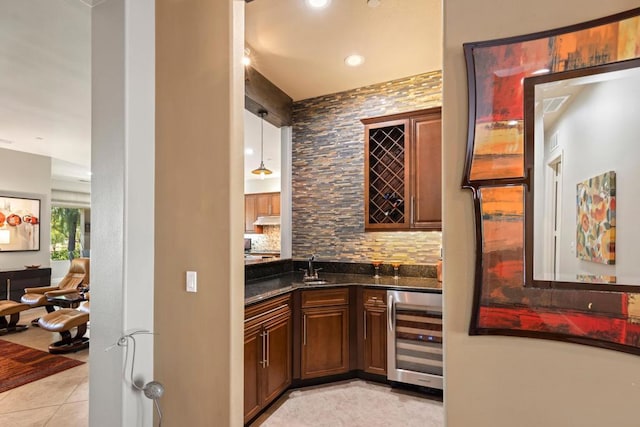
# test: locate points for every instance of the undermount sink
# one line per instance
(315, 282)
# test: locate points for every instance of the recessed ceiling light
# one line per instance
(248, 151)
(354, 60)
(318, 4)
(373, 3)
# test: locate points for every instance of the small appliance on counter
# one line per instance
(247, 245)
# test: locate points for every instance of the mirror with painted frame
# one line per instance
(582, 154)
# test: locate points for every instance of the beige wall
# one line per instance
(199, 193)
(504, 381)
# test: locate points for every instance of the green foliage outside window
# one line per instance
(65, 233)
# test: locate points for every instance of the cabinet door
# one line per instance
(277, 373)
(427, 152)
(387, 174)
(375, 340)
(263, 204)
(275, 204)
(325, 341)
(12, 283)
(253, 358)
(249, 213)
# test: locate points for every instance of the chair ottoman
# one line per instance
(63, 321)
(11, 310)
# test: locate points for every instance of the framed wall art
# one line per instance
(19, 224)
(504, 169)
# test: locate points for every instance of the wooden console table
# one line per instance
(13, 282)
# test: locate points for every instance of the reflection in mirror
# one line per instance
(582, 137)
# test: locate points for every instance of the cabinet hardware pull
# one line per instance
(8, 289)
(267, 312)
(364, 317)
(304, 329)
(268, 339)
(390, 312)
(262, 362)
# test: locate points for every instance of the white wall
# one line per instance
(599, 133)
(272, 154)
(286, 194)
(499, 381)
(27, 175)
(122, 200)
(267, 185)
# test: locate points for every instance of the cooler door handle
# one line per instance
(390, 312)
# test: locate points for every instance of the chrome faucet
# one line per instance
(311, 273)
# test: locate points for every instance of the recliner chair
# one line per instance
(76, 276)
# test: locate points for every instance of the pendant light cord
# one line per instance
(262, 139)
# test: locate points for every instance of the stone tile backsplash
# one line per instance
(268, 241)
(328, 174)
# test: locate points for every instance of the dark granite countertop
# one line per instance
(260, 289)
(257, 259)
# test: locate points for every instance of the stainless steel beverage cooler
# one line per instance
(414, 338)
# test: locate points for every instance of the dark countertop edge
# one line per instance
(18, 269)
(274, 293)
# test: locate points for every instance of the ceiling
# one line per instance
(571, 88)
(302, 50)
(45, 89)
(45, 64)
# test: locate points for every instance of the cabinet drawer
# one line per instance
(374, 297)
(260, 312)
(325, 297)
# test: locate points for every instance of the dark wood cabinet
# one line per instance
(374, 331)
(267, 204)
(250, 214)
(259, 204)
(278, 356)
(13, 282)
(427, 169)
(325, 333)
(403, 171)
(252, 371)
(267, 353)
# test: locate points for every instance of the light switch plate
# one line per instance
(192, 281)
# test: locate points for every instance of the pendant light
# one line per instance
(262, 171)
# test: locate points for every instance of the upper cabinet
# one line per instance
(403, 171)
(260, 204)
(267, 204)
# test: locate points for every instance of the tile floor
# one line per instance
(353, 403)
(57, 400)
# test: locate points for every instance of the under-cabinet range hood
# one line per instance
(267, 220)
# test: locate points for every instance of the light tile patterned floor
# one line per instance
(60, 400)
(353, 403)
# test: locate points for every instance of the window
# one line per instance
(67, 232)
